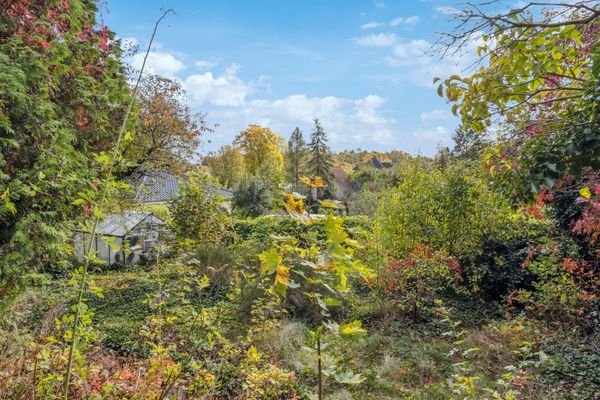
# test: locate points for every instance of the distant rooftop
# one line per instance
(375, 162)
(163, 186)
(156, 187)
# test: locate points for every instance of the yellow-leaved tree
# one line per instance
(261, 150)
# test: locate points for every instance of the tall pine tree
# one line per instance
(319, 159)
(296, 157)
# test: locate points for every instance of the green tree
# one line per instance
(198, 212)
(63, 97)
(540, 86)
(228, 166)
(253, 197)
(319, 156)
(468, 144)
(296, 157)
(452, 211)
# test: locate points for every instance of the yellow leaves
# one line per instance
(252, 355)
(270, 261)
(585, 192)
(260, 148)
(293, 205)
(352, 330)
(329, 204)
(315, 181)
(282, 275)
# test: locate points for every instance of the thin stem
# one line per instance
(319, 366)
(86, 263)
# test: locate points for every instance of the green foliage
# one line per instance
(296, 158)
(543, 87)
(253, 197)
(451, 210)
(577, 365)
(63, 96)
(198, 213)
(319, 268)
(227, 165)
(319, 155)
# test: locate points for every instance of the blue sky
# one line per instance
(361, 67)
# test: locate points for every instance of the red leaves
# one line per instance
(536, 210)
(531, 255)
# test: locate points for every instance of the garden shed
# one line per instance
(132, 235)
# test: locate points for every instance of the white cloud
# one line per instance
(376, 40)
(417, 63)
(448, 10)
(204, 65)
(160, 63)
(407, 21)
(435, 115)
(129, 42)
(226, 89)
(366, 110)
(437, 134)
(410, 53)
(371, 25)
(411, 20)
(396, 21)
(349, 123)
(379, 4)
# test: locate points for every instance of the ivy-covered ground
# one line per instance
(407, 359)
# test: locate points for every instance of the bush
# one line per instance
(261, 229)
(198, 212)
(253, 197)
(452, 210)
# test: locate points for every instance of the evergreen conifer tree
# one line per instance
(319, 156)
(296, 157)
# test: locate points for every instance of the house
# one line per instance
(160, 187)
(122, 238)
(376, 163)
(342, 187)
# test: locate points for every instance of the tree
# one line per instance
(198, 212)
(167, 133)
(227, 166)
(319, 155)
(539, 89)
(63, 97)
(539, 85)
(253, 197)
(451, 211)
(261, 150)
(468, 144)
(296, 157)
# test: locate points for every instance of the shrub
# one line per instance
(253, 197)
(198, 212)
(452, 210)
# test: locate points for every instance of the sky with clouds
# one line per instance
(364, 68)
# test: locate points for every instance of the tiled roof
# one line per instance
(341, 179)
(156, 187)
(162, 187)
(375, 162)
